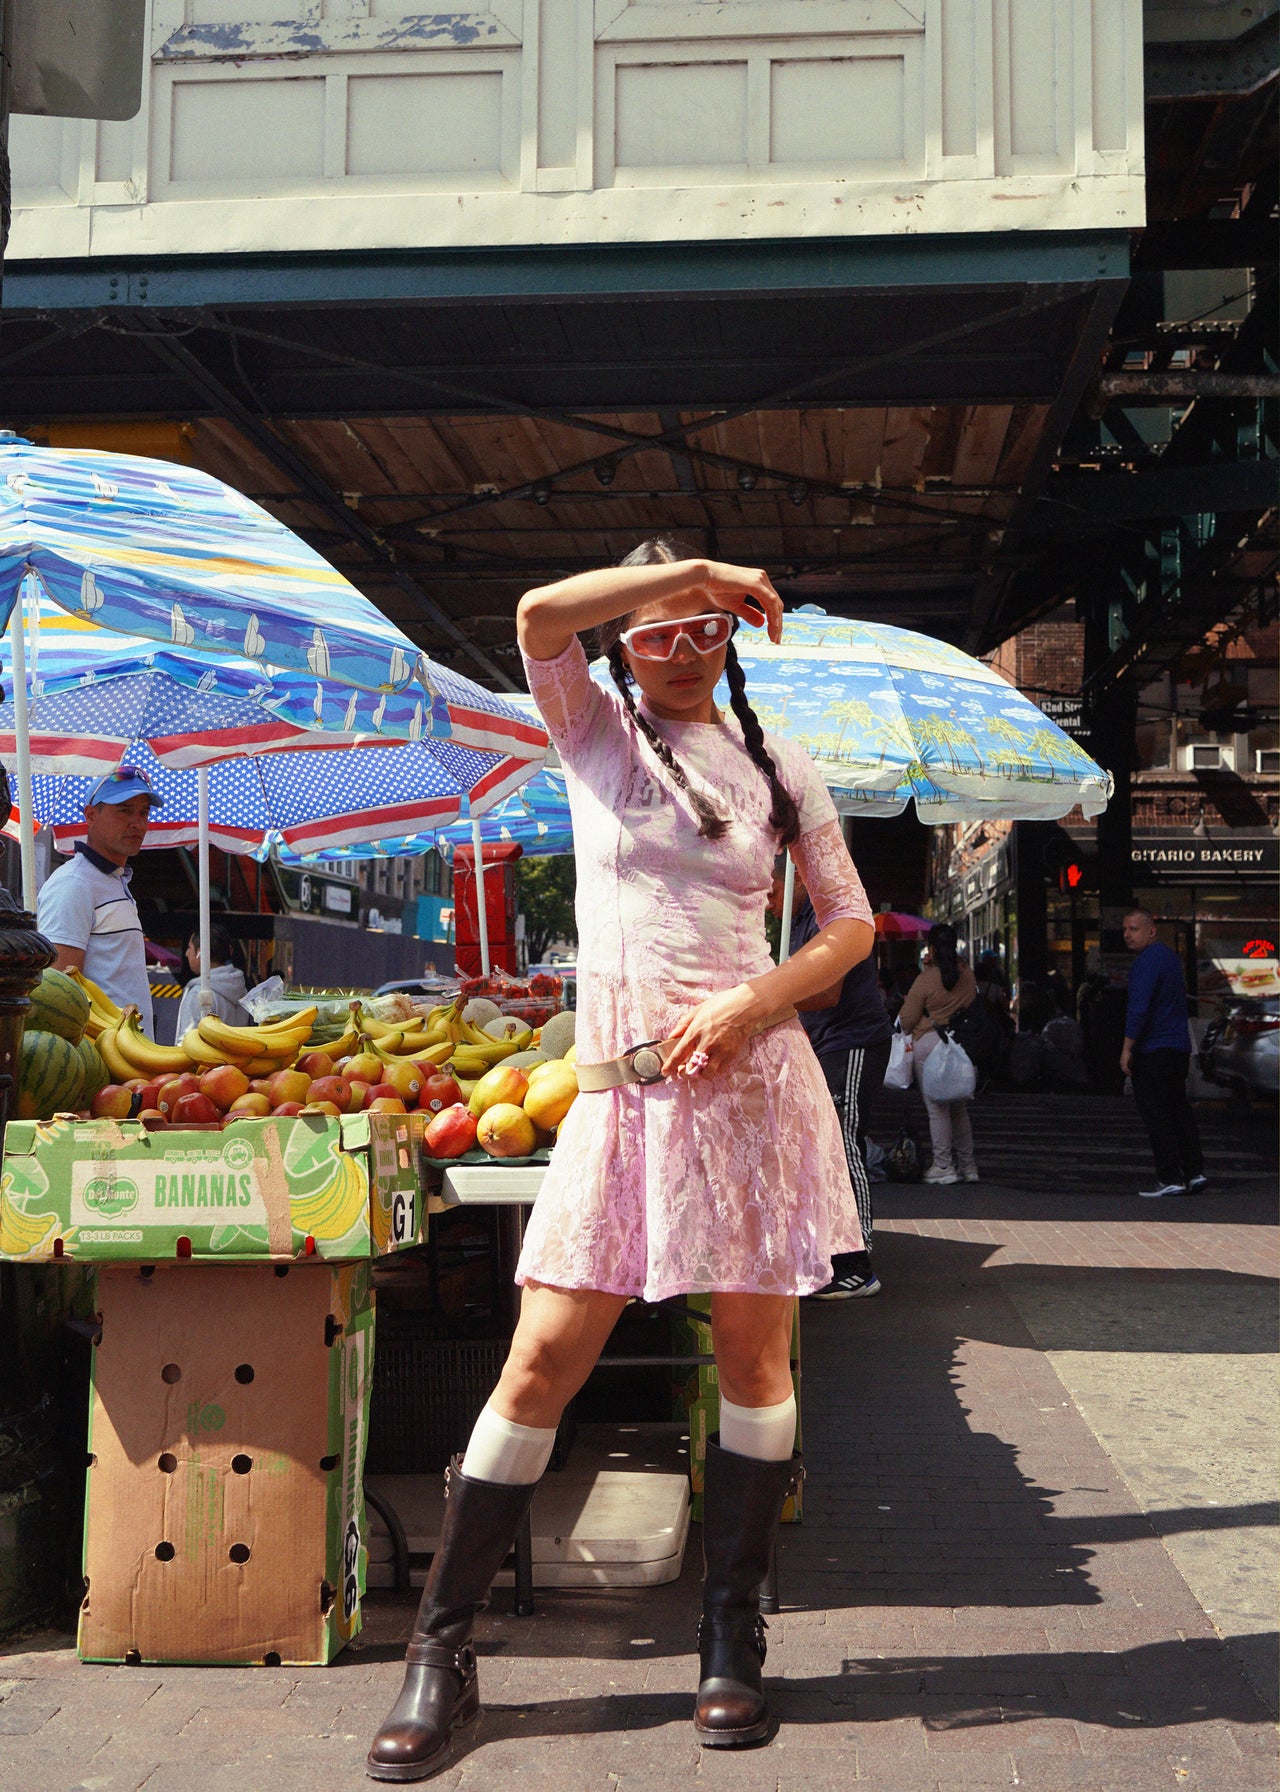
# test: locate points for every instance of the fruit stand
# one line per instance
(275, 1164)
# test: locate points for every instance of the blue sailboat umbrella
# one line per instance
(148, 547)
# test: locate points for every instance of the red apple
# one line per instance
(154, 1119)
(288, 1085)
(249, 1107)
(286, 1110)
(114, 1102)
(260, 1085)
(224, 1085)
(452, 1132)
(172, 1091)
(378, 1092)
(331, 1088)
(149, 1094)
(387, 1104)
(316, 1065)
(321, 1107)
(194, 1109)
(135, 1083)
(358, 1092)
(439, 1091)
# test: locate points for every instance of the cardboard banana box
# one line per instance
(274, 1190)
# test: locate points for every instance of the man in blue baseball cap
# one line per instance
(86, 909)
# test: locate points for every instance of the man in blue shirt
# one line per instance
(850, 1031)
(1157, 1055)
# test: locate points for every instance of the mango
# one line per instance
(551, 1096)
(501, 1084)
(505, 1131)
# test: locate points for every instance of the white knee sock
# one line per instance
(501, 1451)
(766, 1432)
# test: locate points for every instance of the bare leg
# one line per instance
(751, 1336)
(559, 1335)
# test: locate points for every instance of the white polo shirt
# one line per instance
(90, 909)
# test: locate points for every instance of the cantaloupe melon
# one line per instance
(558, 1034)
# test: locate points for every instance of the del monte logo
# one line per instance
(110, 1196)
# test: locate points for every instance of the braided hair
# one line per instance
(783, 814)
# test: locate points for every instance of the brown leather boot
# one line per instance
(742, 1505)
(440, 1691)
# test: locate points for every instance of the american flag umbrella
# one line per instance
(303, 799)
(93, 693)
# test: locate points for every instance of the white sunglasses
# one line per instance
(657, 640)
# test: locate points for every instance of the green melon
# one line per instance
(96, 1074)
(58, 1005)
(50, 1076)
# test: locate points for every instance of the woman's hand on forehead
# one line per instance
(742, 590)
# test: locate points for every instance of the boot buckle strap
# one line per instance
(433, 1654)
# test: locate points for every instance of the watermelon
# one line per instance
(58, 1005)
(96, 1074)
(50, 1076)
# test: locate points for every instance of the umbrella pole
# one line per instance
(482, 913)
(22, 743)
(788, 903)
(202, 856)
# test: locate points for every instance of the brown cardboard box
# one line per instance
(224, 1518)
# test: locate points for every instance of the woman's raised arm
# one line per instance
(548, 618)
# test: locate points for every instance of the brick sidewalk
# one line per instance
(974, 1600)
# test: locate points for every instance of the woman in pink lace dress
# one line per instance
(725, 1173)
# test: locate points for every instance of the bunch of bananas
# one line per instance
(127, 1052)
(441, 1037)
(258, 1051)
(103, 1012)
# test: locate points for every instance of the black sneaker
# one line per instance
(854, 1284)
(1197, 1185)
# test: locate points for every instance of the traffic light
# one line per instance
(1067, 865)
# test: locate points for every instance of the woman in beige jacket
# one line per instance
(944, 988)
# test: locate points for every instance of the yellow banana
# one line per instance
(264, 1065)
(253, 1042)
(148, 1058)
(337, 1048)
(435, 1054)
(98, 997)
(121, 1070)
(201, 1053)
(287, 1023)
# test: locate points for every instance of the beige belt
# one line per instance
(643, 1063)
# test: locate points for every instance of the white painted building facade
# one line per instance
(357, 125)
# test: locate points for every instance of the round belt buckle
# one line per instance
(647, 1064)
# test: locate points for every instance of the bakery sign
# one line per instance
(1179, 855)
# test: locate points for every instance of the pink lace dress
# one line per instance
(735, 1182)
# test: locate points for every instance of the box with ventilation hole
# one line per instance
(224, 1515)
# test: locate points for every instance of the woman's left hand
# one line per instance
(716, 1033)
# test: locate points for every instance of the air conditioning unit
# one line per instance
(1208, 756)
(1267, 761)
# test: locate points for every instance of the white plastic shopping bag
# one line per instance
(901, 1062)
(948, 1073)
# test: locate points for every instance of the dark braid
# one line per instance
(784, 817)
(711, 825)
